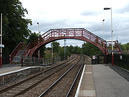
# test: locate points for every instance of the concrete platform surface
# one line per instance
(7, 69)
(103, 81)
(86, 85)
(109, 83)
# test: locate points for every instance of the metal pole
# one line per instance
(112, 39)
(38, 41)
(1, 43)
(103, 27)
(52, 53)
(64, 48)
(111, 34)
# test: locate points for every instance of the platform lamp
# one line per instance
(103, 26)
(38, 40)
(107, 8)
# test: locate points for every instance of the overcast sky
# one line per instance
(80, 14)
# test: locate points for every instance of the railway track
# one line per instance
(62, 87)
(22, 87)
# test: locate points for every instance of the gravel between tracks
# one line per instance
(36, 91)
(8, 94)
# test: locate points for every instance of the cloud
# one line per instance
(69, 42)
(80, 14)
(44, 26)
(123, 10)
(89, 13)
(66, 23)
(120, 27)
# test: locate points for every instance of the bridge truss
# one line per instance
(71, 33)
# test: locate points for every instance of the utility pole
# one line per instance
(64, 48)
(1, 45)
(52, 52)
(111, 34)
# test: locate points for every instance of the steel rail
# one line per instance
(52, 85)
(31, 77)
(38, 82)
(75, 79)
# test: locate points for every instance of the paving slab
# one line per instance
(14, 68)
(86, 88)
(10, 69)
(109, 83)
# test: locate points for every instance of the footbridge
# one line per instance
(66, 33)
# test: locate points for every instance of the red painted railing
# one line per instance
(15, 51)
(116, 46)
(69, 33)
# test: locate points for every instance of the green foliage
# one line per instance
(33, 37)
(42, 51)
(56, 46)
(61, 52)
(74, 50)
(15, 26)
(125, 48)
(90, 49)
(87, 49)
(69, 50)
(68, 53)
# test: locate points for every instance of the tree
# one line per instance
(34, 38)
(77, 50)
(61, 52)
(90, 49)
(15, 25)
(125, 48)
(56, 46)
(70, 49)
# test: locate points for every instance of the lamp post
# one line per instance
(103, 26)
(111, 34)
(38, 40)
(1, 42)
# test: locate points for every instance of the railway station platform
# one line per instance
(10, 73)
(101, 80)
(8, 68)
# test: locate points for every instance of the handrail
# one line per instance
(47, 35)
(28, 47)
(70, 32)
(15, 50)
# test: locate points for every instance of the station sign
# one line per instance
(1, 46)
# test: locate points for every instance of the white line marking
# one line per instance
(77, 92)
(14, 71)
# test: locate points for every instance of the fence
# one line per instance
(29, 61)
(120, 60)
